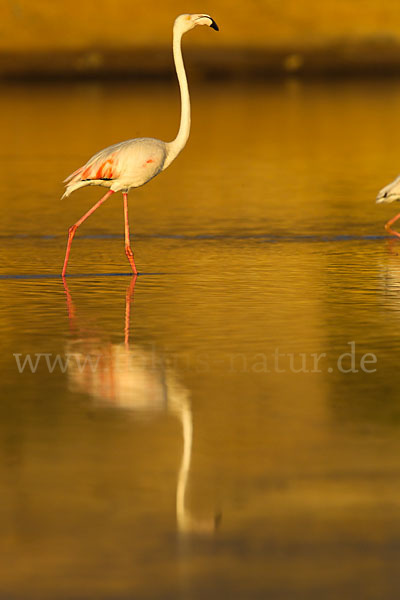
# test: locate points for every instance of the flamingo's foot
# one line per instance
(129, 254)
(391, 231)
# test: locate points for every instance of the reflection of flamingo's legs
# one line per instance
(128, 298)
(392, 246)
(70, 307)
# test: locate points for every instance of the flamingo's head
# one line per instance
(188, 22)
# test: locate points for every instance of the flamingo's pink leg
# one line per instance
(389, 223)
(72, 230)
(128, 249)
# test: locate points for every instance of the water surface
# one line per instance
(228, 423)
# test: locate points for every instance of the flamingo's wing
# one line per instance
(103, 165)
(122, 166)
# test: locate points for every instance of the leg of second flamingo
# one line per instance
(128, 249)
(390, 223)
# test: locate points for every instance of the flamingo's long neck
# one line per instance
(179, 142)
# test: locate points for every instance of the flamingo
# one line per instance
(390, 193)
(133, 163)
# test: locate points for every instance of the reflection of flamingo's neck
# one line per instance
(186, 522)
(185, 417)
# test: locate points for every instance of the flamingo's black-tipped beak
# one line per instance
(214, 25)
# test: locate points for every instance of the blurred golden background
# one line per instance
(258, 37)
(186, 464)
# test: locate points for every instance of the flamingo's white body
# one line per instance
(122, 166)
(133, 163)
(390, 193)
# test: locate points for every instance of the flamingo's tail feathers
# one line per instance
(74, 182)
(74, 175)
(100, 167)
(73, 186)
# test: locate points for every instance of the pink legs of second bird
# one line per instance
(72, 231)
(390, 223)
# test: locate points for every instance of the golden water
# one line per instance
(206, 454)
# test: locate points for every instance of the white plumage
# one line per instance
(390, 193)
(122, 166)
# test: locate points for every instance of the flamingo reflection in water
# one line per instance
(131, 378)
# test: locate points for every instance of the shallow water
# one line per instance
(228, 423)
